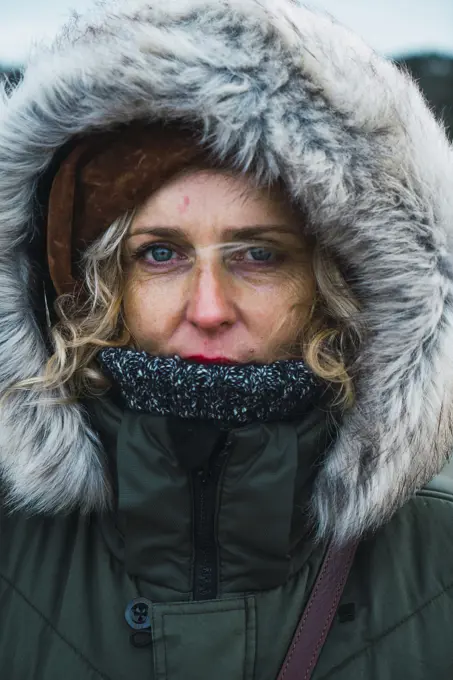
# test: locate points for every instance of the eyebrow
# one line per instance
(232, 233)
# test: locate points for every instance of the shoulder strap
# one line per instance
(316, 620)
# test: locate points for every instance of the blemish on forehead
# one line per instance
(182, 207)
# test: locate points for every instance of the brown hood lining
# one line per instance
(103, 177)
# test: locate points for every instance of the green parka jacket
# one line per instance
(101, 505)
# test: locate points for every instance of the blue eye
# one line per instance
(261, 254)
(160, 253)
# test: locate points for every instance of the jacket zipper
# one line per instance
(205, 483)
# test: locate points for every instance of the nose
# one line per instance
(210, 305)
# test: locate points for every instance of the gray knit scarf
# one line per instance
(234, 394)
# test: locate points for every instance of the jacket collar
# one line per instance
(229, 517)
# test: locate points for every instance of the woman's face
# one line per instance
(216, 269)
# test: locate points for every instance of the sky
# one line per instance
(393, 27)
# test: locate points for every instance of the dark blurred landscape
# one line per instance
(433, 72)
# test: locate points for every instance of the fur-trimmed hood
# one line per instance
(293, 94)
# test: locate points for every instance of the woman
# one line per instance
(226, 352)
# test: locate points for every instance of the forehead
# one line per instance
(205, 199)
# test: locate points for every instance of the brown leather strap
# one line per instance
(316, 620)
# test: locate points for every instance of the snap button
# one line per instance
(141, 639)
(137, 613)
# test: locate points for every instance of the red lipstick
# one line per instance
(209, 360)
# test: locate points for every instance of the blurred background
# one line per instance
(416, 33)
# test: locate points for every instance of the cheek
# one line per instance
(149, 311)
(276, 313)
(273, 301)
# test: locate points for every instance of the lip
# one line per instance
(201, 359)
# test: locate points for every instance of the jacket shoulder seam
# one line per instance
(387, 632)
(435, 493)
(49, 623)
